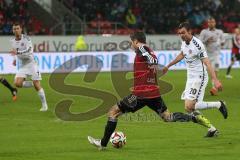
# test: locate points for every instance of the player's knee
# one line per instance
(114, 112)
(166, 116)
(189, 108)
(37, 85)
(18, 84)
(167, 119)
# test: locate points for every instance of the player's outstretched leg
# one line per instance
(220, 105)
(110, 127)
(41, 95)
(175, 116)
(158, 105)
(9, 86)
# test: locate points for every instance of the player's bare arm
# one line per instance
(211, 71)
(175, 61)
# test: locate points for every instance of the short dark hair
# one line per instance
(185, 25)
(211, 18)
(138, 35)
(17, 24)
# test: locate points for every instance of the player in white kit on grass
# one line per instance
(22, 49)
(197, 62)
(213, 39)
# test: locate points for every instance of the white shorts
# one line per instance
(215, 60)
(195, 88)
(31, 70)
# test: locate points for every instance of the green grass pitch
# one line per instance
(26, 133)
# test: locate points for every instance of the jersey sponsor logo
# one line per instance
(187, 61)
(151, 80)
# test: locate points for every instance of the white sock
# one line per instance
(27, 84)
(42, 97)
(212, 128)
(207, 105)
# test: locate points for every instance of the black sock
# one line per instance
(229, 70)
(109, 129)
(181, 117)
(6, 84)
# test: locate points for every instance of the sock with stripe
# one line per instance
(207, 105)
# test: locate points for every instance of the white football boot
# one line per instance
(96, 143)
(44, 108)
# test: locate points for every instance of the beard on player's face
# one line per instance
(185, 35)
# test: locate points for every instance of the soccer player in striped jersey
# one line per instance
(196, 58)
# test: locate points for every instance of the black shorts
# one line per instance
(235, 57)
(132, 103)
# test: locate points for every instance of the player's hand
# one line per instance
(165, 70)
(218, 85)
(13, 52)
(14, 62)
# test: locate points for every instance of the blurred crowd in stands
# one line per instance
(17, 10)
(156, 16)
(123, 16)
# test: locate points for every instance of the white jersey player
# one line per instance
(213, 39)
(197, 62)
(22, 49)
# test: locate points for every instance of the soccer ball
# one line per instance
(118, 139)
